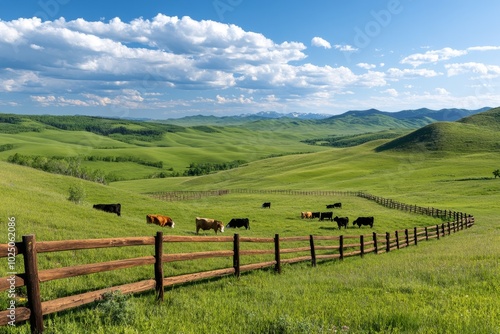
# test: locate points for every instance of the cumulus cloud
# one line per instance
(411, 73)
(433, 56)
(152, 63)
(392, 92)
(366, 66)
(320, 42)
(345, 48)
(484, 71)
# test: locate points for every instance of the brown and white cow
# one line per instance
(209, 224)
(160, 220)
(306, 214)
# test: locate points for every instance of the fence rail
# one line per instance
(317, 248)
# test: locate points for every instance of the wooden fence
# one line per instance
(312, 248)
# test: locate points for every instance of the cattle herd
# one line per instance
(341, 221)
(218, 226)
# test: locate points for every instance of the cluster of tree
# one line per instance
(352, 140)
(6, 147)
(70, 166)
(123, 129)
(196, 169)
(157, 164)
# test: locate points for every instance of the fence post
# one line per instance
(397, 239)
(362, 245)
(277, 257)
(407, 238)
(388, 242)
(159, 265)
(415, 235)
(375, 242)
(426, 234)
(341, 247)
(33, 283)
(437, 231)
(236, 255)
(313, 250)
(442, 229)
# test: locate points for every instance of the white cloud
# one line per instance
(484, 48)
(484, 71)
(345, 48)
(411, 73)
(433, 56)
(366, 66)
(320, 42)
(392, 92)
(442, 91)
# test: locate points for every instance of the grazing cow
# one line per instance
(363, 221)
(326, 215)
(306, 214)
(341, 221)
(335, 205)
(239, 222)
(112, 208)
(315, 214)
(266, 205)
(209, 224)
(160, 220)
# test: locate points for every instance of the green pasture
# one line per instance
(446, 286)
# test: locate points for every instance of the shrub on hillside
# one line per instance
(76, 194)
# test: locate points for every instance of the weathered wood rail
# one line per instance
(303, 248)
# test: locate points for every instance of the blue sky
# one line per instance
(172, 58)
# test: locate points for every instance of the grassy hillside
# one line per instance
(477, 133)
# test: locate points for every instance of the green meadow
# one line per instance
(440, 286)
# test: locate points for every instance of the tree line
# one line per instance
(70, 166)
(196, 169)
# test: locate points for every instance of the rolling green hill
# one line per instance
(476, 133)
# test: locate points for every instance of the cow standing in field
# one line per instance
(306, 214)
(111, 208)
(341, 221)
(363, 221)
(326, 215)
(160, 220)
(239, 222)
(266, 205)
(209, 224)
(335, 205)
(315, 215)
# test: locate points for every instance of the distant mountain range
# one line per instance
(450, 114)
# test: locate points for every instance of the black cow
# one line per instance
(341, 221)
(266, 205)
(316, 214)
(335, 205)
(363, 221)
(112, 208)
(326, 215)
(239, 222)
